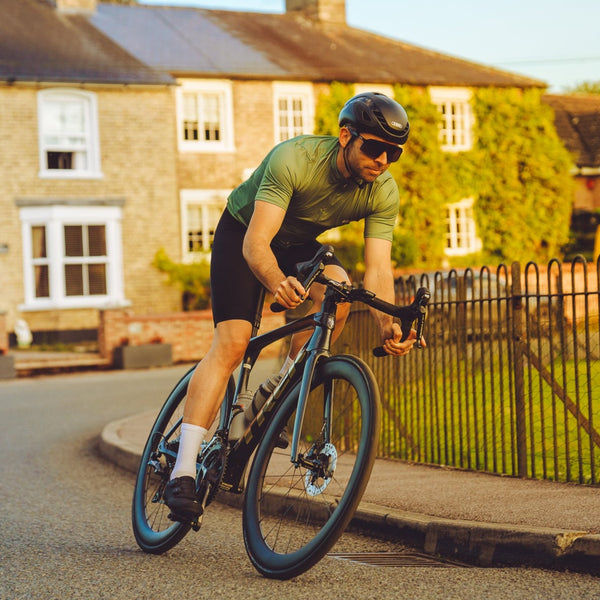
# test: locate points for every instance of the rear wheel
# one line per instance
(154, 531)
(293, 514)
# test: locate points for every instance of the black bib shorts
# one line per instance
(234, 288)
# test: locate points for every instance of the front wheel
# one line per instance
(293, 514)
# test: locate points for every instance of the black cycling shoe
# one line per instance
(180, 497)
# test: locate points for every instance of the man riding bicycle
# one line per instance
(304, 186)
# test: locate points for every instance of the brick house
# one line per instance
(126, 126)
(87, 158)
(577, 120)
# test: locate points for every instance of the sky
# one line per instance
(555, 42)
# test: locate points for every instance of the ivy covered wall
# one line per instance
(517, 174)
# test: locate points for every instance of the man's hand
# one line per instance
(392, 344)
(289, 293)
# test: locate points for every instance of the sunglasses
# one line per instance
(375, 148)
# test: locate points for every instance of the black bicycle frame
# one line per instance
(317, 347)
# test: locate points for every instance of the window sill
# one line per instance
(87, 303)
(456, 149)
(186, 148)
(63, 174)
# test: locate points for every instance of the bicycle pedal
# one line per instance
(195, 522)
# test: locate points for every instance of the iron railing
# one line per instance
(510, 380)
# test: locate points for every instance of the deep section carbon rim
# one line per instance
(153, 530)
(293, 514)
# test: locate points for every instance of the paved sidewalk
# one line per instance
(484, 519)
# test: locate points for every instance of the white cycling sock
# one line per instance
(190, 441)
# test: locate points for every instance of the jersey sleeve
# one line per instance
(380, 223)
(279, 178)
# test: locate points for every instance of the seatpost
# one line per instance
(259, 311)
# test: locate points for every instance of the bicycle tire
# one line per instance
(154, 532)
(292, 516)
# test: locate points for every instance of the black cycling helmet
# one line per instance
(375, 113)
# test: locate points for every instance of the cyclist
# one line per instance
(303, 187)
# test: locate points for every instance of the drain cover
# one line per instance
(395, 559)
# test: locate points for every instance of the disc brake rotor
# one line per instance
(315, 481)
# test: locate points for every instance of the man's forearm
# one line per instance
(381, 282)
(262, 262)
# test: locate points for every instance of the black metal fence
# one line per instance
(510, 380)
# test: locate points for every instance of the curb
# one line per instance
(473, 542)
(484, 544)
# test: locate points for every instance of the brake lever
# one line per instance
(417, 311)
(308, 271)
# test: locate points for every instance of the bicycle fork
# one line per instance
(317, 348)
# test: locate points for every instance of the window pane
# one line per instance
(190, 130)
(202, 221)
(38, 241)
(59, 160)
(63, 116)
(72, 117)
(74, 240)
(190, 117)
(74, 280)
(97, 282)
(190, 107)
(42, 284)
(97, 240)
(194, 215)
(212, 117)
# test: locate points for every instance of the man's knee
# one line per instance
(343, 311)
(230, 341)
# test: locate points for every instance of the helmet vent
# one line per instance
(380, 117)
(366, 116)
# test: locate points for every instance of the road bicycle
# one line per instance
(298, 499)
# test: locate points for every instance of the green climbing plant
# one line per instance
(192, 279)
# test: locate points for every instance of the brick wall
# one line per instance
(189, 333)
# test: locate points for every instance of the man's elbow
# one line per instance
(247, 249)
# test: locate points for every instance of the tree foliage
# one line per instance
(586, 87)
(517, 174)
(425, 183)
(523, 185)
(329, 105)
(192, 279)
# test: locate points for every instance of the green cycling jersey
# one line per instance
(301, 176)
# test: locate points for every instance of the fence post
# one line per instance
(519, 369)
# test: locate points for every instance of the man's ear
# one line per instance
(344, 137)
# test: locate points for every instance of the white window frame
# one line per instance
(54, 218)
(90, 144)
(293, 91)
(461, 230)
(202, 199)
(454, 105)
(198, 87)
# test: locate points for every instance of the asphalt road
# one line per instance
(65, 521)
